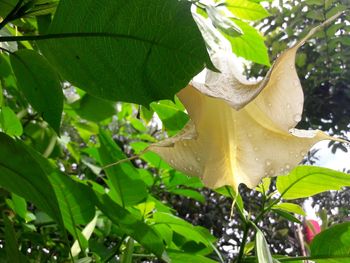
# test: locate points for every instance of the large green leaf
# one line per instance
(11, 245)
(124, 178)
(21, 174)
(172, 117)
(76, 202)
(305, 181)
(246, 9)
(132, 226)
(6, 7)
(9, 123)
(181, 227)
(262, 248)
(40, 85)
(95, 109)
(181, 257)
(333, 244)
(250, 45)
(136, 51)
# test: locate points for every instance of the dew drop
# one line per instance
(190, 168)
(256, 149)
(302, 153)
(268, 162)
(297, 117)
(256, 159)
(272, 172)
(288, 106)
(287, 166)
(292, 66)
(185, 144)
(269, 104)
(172, 161)
(266, 173)
(198, 159)
(296, 155)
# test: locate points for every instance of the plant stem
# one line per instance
(244, 241)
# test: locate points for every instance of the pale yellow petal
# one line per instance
(230, 147)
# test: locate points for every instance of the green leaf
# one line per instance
(95, 109)
(152, 158)
(11, 245)
(126, 257)
(287, 215)
(150, 51)
(21, 174)
(9, 123)
(305, 181)
(181, 227)
(6, 7)
(138, 125)
(5, 67)
(222, 22)
(290, 207)
(40, 84)
(333, 244)
(133, 227)
(189, 193)
(181, 257)
(124, 178)
(76, 203)
(19, 206)
(172, 117)
(262, 248)
(250, 45)
(247, 10)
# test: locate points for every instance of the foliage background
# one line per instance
(150, 203)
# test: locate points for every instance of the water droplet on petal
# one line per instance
(297, 117)
(287, 166)
(256, 148)
(268, 163)
(256, 159)
(272, 172)
(302, 153)
(190, 168)
(185, 144)
(288, 106)
(198, 159)
(269, 104)
(172, 161)
(292, 66)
